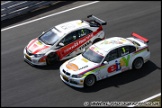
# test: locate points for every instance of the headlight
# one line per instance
(38, 55)
(77, 76)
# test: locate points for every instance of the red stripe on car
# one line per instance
(64, 51)
(40, 49)
(32, 43)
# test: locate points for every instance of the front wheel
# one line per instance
(89, 80)
(138, 63)
(51, 58)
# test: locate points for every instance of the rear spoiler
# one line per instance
(145, 40)
(92, 17)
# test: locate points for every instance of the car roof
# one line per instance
(111, 43)
(69, 26)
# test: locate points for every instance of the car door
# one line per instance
(125, 57)
(82, 34)
(117, 61)
(112, 64)
(69, 44)
(73, 43)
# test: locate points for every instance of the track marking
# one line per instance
(48, 16)
(147, 99)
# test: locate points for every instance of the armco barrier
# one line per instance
(11, 9)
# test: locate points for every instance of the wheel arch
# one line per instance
(89, 75)
(135, 59)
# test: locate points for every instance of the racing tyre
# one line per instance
(51, 58)
(89, 80)
(138, 63)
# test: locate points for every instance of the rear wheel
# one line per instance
(51, 58)
(97, 40)
(138, 63)
(89, 80)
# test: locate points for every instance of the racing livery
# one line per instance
(105, 59)
(64, 41)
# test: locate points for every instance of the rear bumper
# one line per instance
(147, 57)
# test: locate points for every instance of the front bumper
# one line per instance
(33, 60)
(69, 80)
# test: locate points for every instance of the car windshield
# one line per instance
(92, 56)
(50, 37)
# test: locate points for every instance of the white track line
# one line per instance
(48, 16)
(147, 99)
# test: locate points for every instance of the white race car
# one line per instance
(105, 59)
(64, 41)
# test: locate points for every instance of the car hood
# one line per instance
(79, 65)
(37, 47)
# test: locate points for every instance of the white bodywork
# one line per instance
(83, 67)
(36, 47)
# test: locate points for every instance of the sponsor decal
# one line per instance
(72, 66)
(68, 26)
(85, 45)
(112, 68)
(97, 50)
(119, 41)
(73, 46)
(85, 60)
(64, 51)
(122, 64)
(83, 67)
(94, 69)
(39, 43)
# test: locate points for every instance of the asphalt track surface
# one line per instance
(24, 85)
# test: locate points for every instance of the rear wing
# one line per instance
(145, 40)
(96, 19)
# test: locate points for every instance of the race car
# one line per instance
(104, 59)
(64, 41)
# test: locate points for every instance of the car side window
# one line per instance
(132, 49)
(123, 51)
(83, 32)
(70, 38)
(112, 55)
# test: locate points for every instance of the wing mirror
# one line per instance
(43, 32)
(61, 44)
(105, 62)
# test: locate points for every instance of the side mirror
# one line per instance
(74, 37)
(61, 44)
(43, 32)
(84, 49)
(105, 62)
